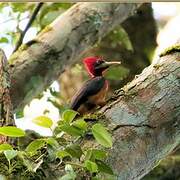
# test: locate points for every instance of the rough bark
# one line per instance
(6, 113)
(60, 44)
(146, 119)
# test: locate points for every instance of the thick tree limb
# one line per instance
(146, 120)
(60, 44)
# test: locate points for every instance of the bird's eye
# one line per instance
(98, 62)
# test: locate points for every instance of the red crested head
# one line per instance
(89, 64)
(96, 65)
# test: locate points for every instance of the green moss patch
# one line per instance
(169, 50)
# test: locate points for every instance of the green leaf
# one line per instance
(52, 142)
(81, 124)
(11, 131)
(91, 166)
(35, 145)
(20, 114)
(69, 115)
(101, 135)
(43, 121)
(10, 154)
(99, 154)
(88, 155)
(71, 130)
(74, 150)
(62, 154)
(94, 154)
(4, 40)
(104, 167)
(4, 147)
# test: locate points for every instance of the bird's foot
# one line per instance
(119, 92)
(116, 94)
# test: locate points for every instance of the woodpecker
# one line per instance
(93, 92)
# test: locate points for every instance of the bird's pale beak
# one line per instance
(107, 64)
(112, 63)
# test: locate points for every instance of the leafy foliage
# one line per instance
(69, 115)
(101, 135)
(4, 147)
(10, 154)
(91, 166)
(35, 145)
(11, 131)
(4, 40)
(65, 145)
(43, 121)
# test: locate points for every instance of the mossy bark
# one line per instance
(145, 120)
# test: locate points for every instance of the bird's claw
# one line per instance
(119, 92)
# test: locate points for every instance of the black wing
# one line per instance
(91, 87)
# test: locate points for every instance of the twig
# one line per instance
(34, 14)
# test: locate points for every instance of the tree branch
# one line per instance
(31, 20)
(60, 44)
(145, 120)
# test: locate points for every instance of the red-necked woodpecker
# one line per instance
(93, 92)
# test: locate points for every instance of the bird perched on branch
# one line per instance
(93, 92)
